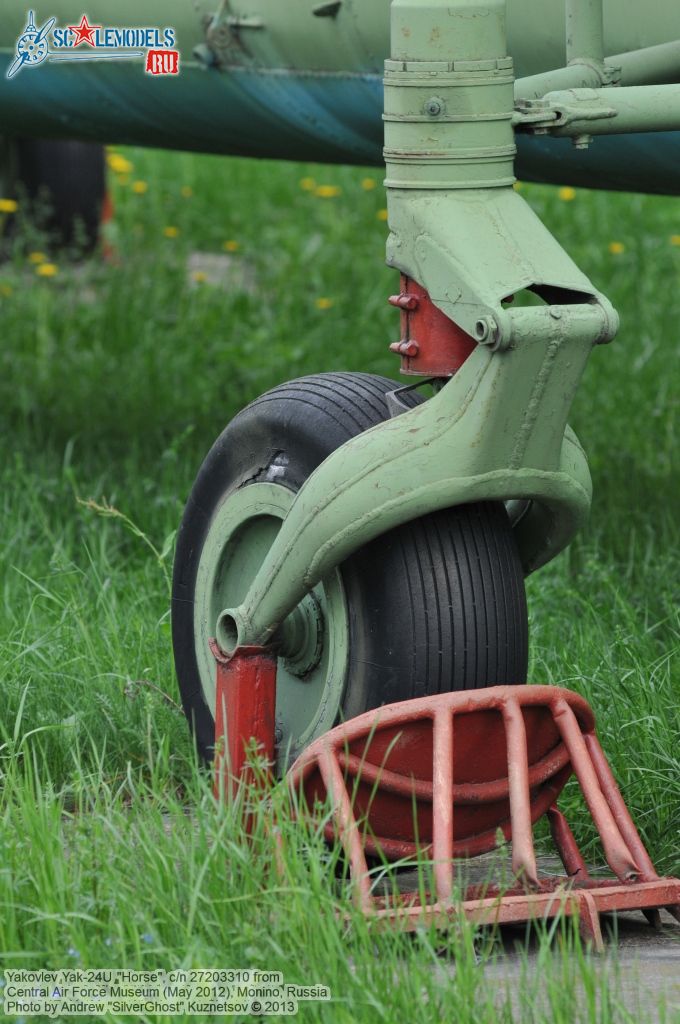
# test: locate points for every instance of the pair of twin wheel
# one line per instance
(435, 605)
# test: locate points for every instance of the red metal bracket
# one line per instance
(244, 714)
(431, 345)
(440, 775)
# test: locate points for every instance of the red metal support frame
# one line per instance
(441, 776)
(566, 845)
(471, 763)
(523, 856)
(617, 853)
(442, 805)
(619, 810)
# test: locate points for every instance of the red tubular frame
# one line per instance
(532, 791)
(245, 712)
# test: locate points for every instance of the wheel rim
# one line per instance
(312, 671)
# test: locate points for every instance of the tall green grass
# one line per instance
(124, 873)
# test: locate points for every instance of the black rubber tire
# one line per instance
(435, 605)
(65, 184)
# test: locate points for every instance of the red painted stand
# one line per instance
(437, 777)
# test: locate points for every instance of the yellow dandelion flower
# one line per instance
(382, 214)
(186, 191)
(675, 239)
(323, 303)
(8, 206)
(327, 191)
(368, 184)
(118, 163)
(307, 184)
(567, 193)
(199, 276)
(231, 245)
(139, 187)
(517, 185)
(616, 248)
(170, 231)
(5, 290)
(46, 269)
(36, 257)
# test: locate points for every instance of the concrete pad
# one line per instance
(640, 966)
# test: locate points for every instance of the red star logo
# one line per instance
(83, 32)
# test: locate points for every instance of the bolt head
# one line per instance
(434, 106)
(581, 141)
(486, 330)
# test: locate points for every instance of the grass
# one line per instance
(115, 379)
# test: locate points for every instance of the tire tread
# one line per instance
(450, 581)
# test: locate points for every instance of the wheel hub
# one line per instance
(313, 641)
(301, 637)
